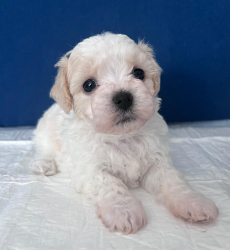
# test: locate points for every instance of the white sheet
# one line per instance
(46, 213)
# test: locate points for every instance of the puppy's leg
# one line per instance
(116, 207)
(45, 163)
(44, 166)
(47, 145)
(167, 184)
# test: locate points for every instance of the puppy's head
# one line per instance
(110, 82)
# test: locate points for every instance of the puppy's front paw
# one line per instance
(123, 217)
(196, 208)
(44, 167)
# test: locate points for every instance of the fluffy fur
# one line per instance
(84, 134)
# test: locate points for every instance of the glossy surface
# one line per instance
(139, 74)
(89, 85)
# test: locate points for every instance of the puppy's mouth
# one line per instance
(126, 119)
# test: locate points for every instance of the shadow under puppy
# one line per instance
(106, 129)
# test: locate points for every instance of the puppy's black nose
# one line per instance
(123, 100)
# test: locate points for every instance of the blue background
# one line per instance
(191, 41)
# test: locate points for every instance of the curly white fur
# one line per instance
(82, 134)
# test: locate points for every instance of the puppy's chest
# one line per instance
(126, 159)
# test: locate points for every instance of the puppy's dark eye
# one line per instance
(89, 85)
(139, 74)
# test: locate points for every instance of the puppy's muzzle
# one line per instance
(123, 100)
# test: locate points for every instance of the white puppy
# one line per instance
(105, 128)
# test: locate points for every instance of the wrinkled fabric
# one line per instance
(39, 212)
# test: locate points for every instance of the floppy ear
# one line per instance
(157, 69)
(60, 91)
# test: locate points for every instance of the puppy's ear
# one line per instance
(60, 91)
(157, 69)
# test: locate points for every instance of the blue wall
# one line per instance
(191, 41)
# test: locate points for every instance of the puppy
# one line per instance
(106, 131)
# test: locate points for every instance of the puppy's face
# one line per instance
(110, 83)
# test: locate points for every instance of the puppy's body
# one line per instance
(126, 156)
(107, 147)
